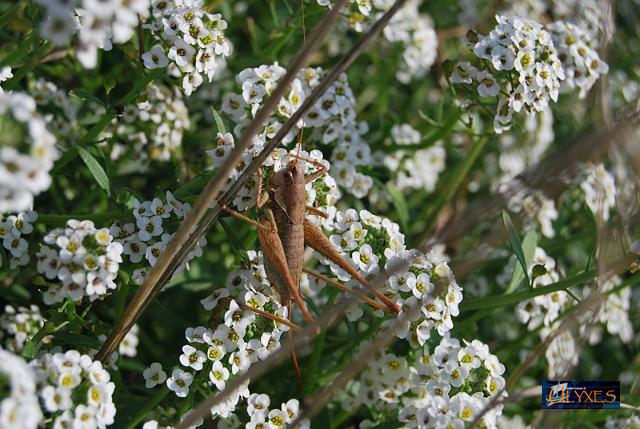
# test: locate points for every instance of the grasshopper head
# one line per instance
(287, 178)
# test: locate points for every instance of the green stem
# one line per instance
(432, 139)
(106, 119)
(514, 298)
(49, 327)
(454, 183)
(150, 405)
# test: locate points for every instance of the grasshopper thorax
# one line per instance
(286, 190)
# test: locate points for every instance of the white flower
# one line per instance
(155, 58)
(488, 86)
(183, 54)
(239, 361)
(129, 345)
(464, 73)
(19, 406)
(277, 419)
(218, 375)
(290, 409)
(258, 406)
(365, 259)
(192, 357)
(154, 375)
(149, 227)
(599, 190)
(179, 382)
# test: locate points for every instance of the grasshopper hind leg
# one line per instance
(294, 357)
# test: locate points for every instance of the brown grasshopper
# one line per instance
(283, 230)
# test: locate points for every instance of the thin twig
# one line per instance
(140, 39)
(157, 276)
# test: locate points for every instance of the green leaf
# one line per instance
(450, 186)
(400, 203)
(529, 244)
(95, 168)
(431, 139)
(537, 271)
(515, 244)
(149, 405)
(503, 300)
(29, 350)
(389, 424)
(84, 95)
(77, 340)
(322, 420)
(218, 119)
(314, 362)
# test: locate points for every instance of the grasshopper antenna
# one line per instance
(294, 357)
(304, 80)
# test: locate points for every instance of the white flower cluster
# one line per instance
(408, 27)
(525, 67)
(192, 38)
(75, 390)
(371, 243)
(13, 229)
(358, 11)
(5, 74)
(581, 62)
(332, 119)
(20, 324)
(414, 169)
(631, 422)
(447, 388)
(241, 339)
(99, 24)
(429, 281)
(562, 354)
(261, 417)
(420, 42)
(19, 408)
(129, 344)
(365, 240)
(151, 129)
(145, 240)
(83, 259)
(27, 152)
(543, 309)
(599, 190)
(517, 151)
(533, 206)
(62, 112)
(624, 91)
(592, 16)
(613, 314)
